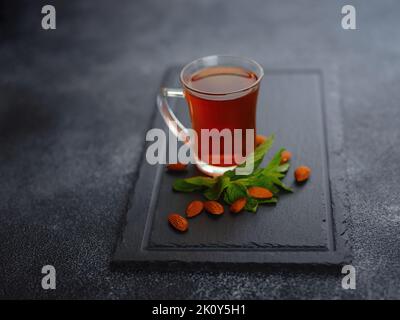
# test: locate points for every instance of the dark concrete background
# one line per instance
(75, 103)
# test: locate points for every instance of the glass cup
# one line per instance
(218, 104)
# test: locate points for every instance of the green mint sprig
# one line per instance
(231, 186)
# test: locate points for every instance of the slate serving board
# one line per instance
(301, 106)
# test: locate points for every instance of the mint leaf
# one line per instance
(283, 167)
(251, 205)
(233, 186)
(261, 150)
(234, 191)
(272, 200)
(255, 157)
(264, 182)
(259, 180)
(216, 190)
(281, 184)
(230, 174)
(275, 162)
(193, 184)
(275, 171)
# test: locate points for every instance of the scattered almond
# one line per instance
(260, 139)
(285, 156)
(238, 205)
(178, 222)
(177, 166)
(214, 207)
(194, 208)
(260, 193)
(302, 173)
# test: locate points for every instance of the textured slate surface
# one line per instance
(305, 227)
(75, 105)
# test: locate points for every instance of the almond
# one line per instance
(302, 173)
(238, 205)
(260, 139)
(194, 208)
(178, 222)
(285, 156)
(177, 166)
(214, 207)
(260, 193)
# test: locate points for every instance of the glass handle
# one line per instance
(176, 127)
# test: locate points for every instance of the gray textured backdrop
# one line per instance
(75, 103)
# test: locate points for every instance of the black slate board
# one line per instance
(302, 108)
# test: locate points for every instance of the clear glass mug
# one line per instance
(228, 109)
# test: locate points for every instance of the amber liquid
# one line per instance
(219, 100)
